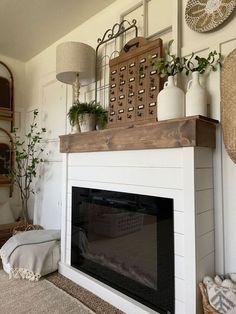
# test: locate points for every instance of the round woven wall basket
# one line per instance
(228, 104)
(205, 15)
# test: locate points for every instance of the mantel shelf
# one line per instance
(184, 132)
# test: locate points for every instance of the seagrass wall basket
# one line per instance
(205, 15)
(228, 104)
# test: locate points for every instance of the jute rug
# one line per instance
(93, 302)
(21, 297)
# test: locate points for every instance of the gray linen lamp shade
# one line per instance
(75, 58)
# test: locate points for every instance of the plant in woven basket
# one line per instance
(27, 153)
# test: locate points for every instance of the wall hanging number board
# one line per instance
(205, 15)
(134, 83)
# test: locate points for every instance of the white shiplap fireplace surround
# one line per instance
(184, 174)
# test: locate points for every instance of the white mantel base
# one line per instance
(110, 295)
(183, 174)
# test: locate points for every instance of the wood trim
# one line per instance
(184, 132)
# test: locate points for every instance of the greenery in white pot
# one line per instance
(196, 95)
(170, 100)
(27, 153)
(79, 112)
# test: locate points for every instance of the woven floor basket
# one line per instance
(228, 104)
(208, 309)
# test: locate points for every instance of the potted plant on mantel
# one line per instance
(86, 117)
(27, 153)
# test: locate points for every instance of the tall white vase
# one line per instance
(196, 97)
(170, 101)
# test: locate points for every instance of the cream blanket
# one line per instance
(32, 254)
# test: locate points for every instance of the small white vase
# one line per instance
(88, 123)
(196, 97)
(170, 101)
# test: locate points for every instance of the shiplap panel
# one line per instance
(179, 244)
(179, 307)
(203, 157)
(141, 158)
(68, 216)
(205, 222)
(171, 178)
(203, 179)
(179, 222)
(204, 200)
(179, 266)
(179, 289)
(206, 266)
(205, 244)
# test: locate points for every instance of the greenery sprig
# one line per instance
(170, 65)
(27, 153)
(200, 64)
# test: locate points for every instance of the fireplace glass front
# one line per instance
(126, 241)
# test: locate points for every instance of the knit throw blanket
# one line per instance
(31, 254)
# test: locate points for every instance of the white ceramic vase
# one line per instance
(196, 97)
(170, 101)
(88, 123)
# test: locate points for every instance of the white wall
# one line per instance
(44, 92)
(18, 71)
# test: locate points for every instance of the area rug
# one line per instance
(93, 302)
(43, 297)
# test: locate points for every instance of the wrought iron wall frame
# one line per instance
(174, 28)
(117, 30)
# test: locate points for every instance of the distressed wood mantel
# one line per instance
(184, 132)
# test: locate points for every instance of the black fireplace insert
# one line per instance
(126, 241)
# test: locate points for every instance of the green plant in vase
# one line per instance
(170, 100)
(196, 96)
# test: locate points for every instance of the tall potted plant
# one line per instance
(27, 153)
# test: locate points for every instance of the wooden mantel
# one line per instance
(184, 132)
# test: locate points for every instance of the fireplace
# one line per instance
(126, 241)
(182, 176)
